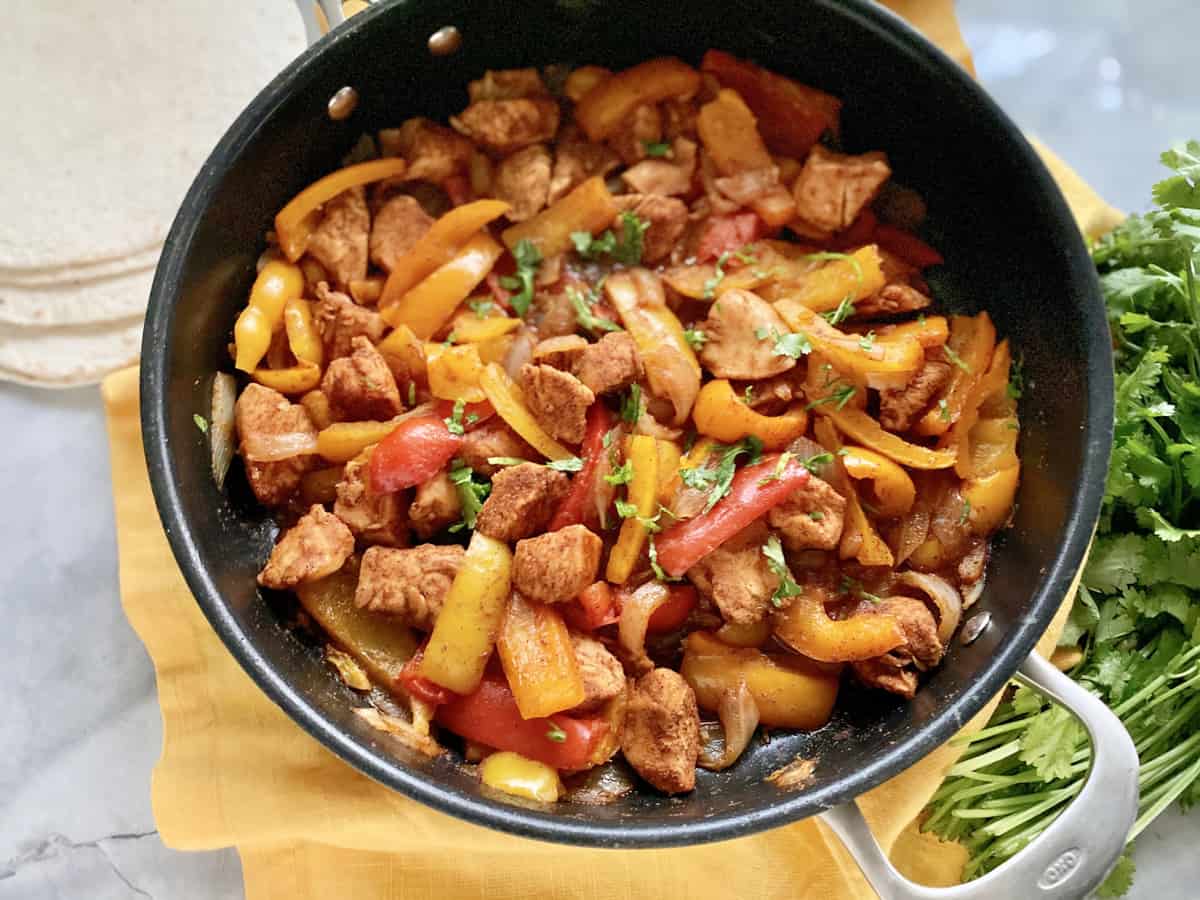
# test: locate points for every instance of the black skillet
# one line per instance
(1011, 247)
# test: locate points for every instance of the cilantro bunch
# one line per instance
(1134, 630)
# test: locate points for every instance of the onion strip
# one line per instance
(220, 425)
(944, 597)
(739, 718)
(635, 618)
(275, 447)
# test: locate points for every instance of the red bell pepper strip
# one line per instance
(754, 491)
(481, 412)
(574, 507)
(860, 232)
(681, 600)
(413, 453)
(726, 233)
(458, 189)
(490, 716)
(907, 246)
(596, 606)
(421, 687)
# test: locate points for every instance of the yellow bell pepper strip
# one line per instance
(852, 353)
(294, 224)
(539, 660)
(506, 399)
(583, 79)
(297, 379)
(513, 774)
(669, 456)
(672, 370)
(275, 285)
(468, 328)
(454, 372)
(342, 441)
(703, 281)
(589, 207)
(642, 456)
(991, 499)
(893, 490)
(929, 332)
(790, 692)
(860, 426)
(367, 291)
(405, 356)
(466, 629)
(754, 634)
(495, 350)
(806, 628)
(969, 350)
(985, 436)
(302, 332)
(604, 108)
(431, 303)
(721, 413)
(821, 284)
(859, 540)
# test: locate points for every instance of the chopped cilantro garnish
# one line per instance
(716, 480)
(784, 459)
(816, 515)
(626, 249)
(412, 394)
(631, 405)
(454, 423)
(867, 341)
(955, 358)
(839, 397)
(943, 410)
(471, 494)
(748, 395)
(528, 259)
(656, 148)
(556, 734)
(854, 587)
(845, 309)
(622, 474)
(201, 423)
(625, 509)
(481, 306)
(695, 338)
(794, 344)
(818, 461)
(587, 319)
(788, 587)
(965, 515)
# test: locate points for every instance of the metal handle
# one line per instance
(1071, 857)
(334, 16)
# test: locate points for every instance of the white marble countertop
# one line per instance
(82, 728)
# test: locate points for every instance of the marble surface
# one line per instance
(1105, 83)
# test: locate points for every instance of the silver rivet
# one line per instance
(975, 627)
(445, 41)
(343, 103)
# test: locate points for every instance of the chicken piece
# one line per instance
(737, 578)
(562, 352)
(433, 152)
(771, 396)
(734, 348)
(313, 548)
(551, 314)
(667, 218)
(679, 119)
(505, 126)
(609, 365)
(372, 518)
(262, 413)
(340, 320)
(661, 739)
(435, 506)
(892, 300)
(921, 648)
(833, 188)
(644, 126)
(522, 500)
(558, 400)
(410, 584)
(900, 407)
(811, 518)
(507, 84)
(339, 242)
(669, 177)
(493, 438)
(398, 225)
(603, 677)
(575, 161)
(361, 386)
(522, 180)
(555, 567)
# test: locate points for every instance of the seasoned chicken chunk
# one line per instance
(661, 739)
(644, 126)
(264, 413)
(900, 407)
(558, 400)
(560, 352)
(339, 243)
(373, 518)
(398, 225)
(435, 506)
(603, 677)
(737, 578)
(575, 161)
(609, 365)
(410, 584)
(506, 84)
(551, 314)
(433, 152)
(667, 177)
(522, 500)
(493, 439)
(833, 188)
(361, 386)
(555, 567)
(315, 547)
(811, 518)
(667, 217)
(734, 348)
(894, 671)
(892, 300)
(340, 320)
(522, 180)
(504, 126)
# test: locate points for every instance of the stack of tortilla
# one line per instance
(112, 110)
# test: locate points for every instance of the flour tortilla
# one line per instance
(83, 302)
(68, 357)
(51, 276)
(100, 146)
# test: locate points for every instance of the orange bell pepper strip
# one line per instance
(969, 348)
(929, 332)
(405, 355)
(302, 332)
(852, 354)
(893, 490)
(867, 431)
(990, 391)
(538, 658)
(468, 328)
(589, 207)
(721, 413)
(505, 396)
(297, 379)
(860, 540)
(295, 223)
(603, 109)
(991, 498)
(580, 81)
(342, 441)
(440, 244)
(274, 286)
(431, 303)
(806, 628)
(520, 776)
(669, 456)
(643, 494)
(820, 283)
(454, 372)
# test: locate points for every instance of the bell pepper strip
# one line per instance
(454, 372)
(669, 456)
(404, 353)
(413, 452)
(575, 506)
(753, 634)
(983, 449)
(860, 540)
(893, 491)
(850, 353)
(440, 244)
(806, 628)
(589, 207)
(674, 611)
(864, 429)
(721, 413)
(970, 345)
(727, 233)
(472, 615)
(642, 456)
(302, 333)
(342, 441)
(468, 328)
(274, 286)
(609, 104)
(930, 332)
(505, 397)
(791, 116)
(672, 370)
(538, 659)
(821, 284)
(519, 776)
(367, 291)
(420, 687)
(429, 305)
(489, 715)
(580, 81)
(595, 607)
(907, 246)
(702, 281)
(754, 490)
(295, 223)
(297, 379)
(991, 499)
(789, 691)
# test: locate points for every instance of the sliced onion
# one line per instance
(519, 353)
(972, 593)
(944, 597)
(635, 618)
(648, 425)
(739, 717)
(912, 531)
(601, 785)
(274, 447)
(220, 425)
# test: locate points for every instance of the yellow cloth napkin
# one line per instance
(236, 771)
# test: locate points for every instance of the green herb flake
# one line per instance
(622, 474)
(844, 310)
(943, 410)
(716, 479)
(780, 466)
(631, 405)
(454, 423)
(695, 338)
(570, 464)
(200, 422)
(816, 515)
(481, 306)
(867, 341)
(778, 566)
(471, 493)
(528, 259)
(657, 148)
(412, 394)
(625, 249)
(625, 509)
(556, 734)
(955, 358)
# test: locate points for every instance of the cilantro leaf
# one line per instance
(626, 248)
(528, 259)
(778, 566)
(471, 494)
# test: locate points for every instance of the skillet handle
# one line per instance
(1073, 855)
(313, 27)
